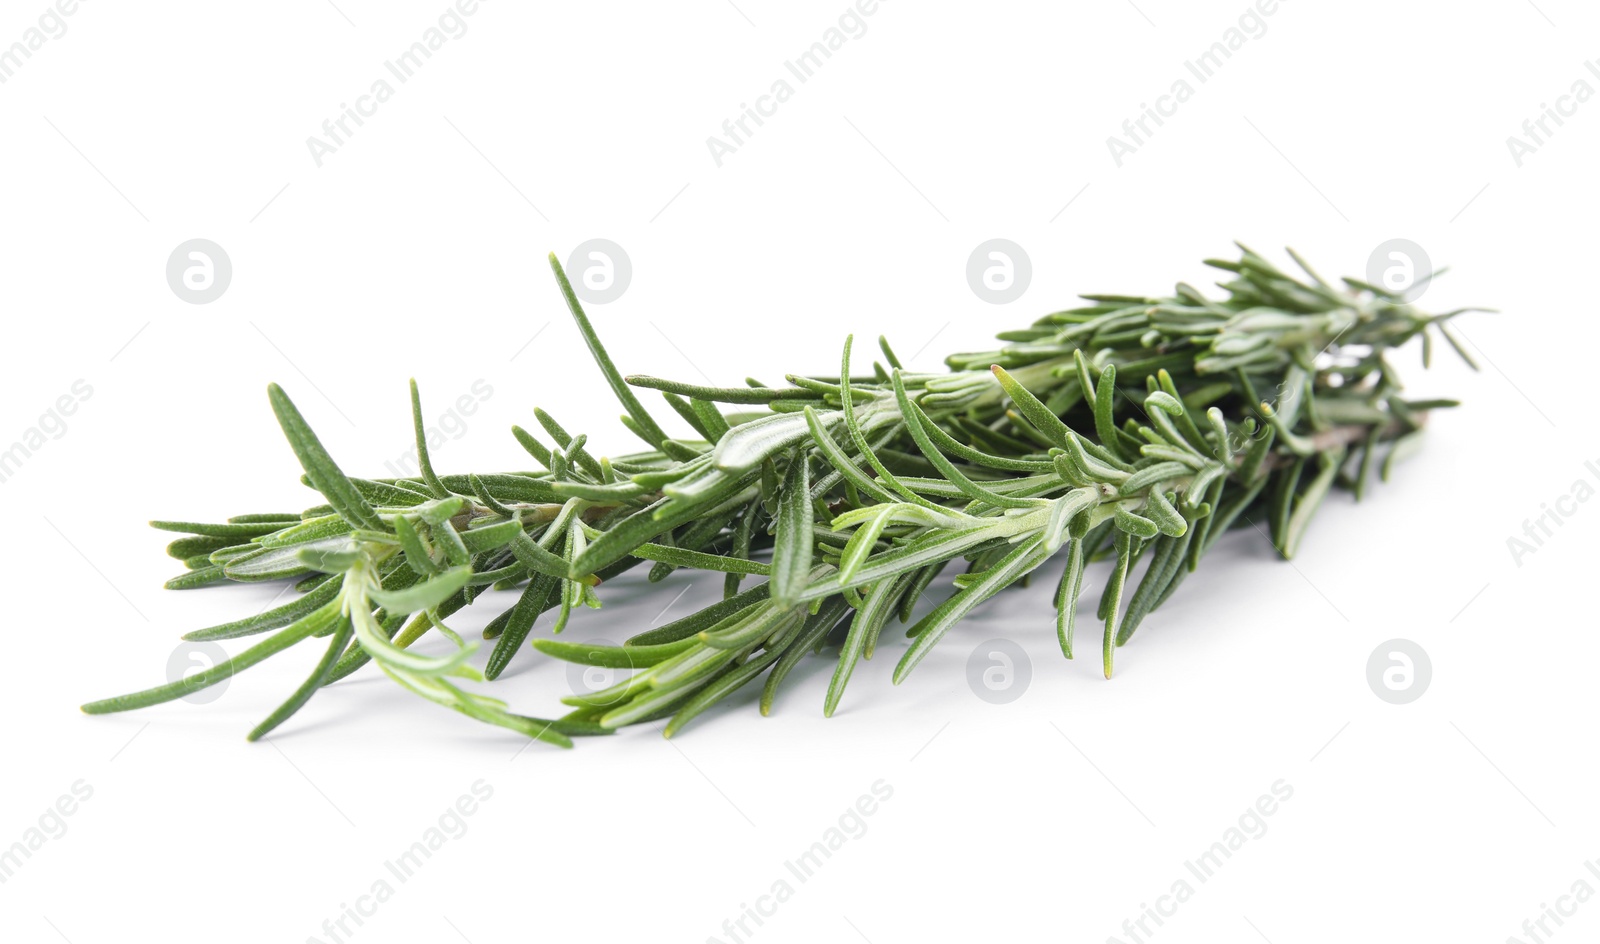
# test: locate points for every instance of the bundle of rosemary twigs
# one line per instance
(1131, 429)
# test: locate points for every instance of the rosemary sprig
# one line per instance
(1131, 429)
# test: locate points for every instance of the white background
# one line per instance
(417, 249)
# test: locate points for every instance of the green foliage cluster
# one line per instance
(1130, 429)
